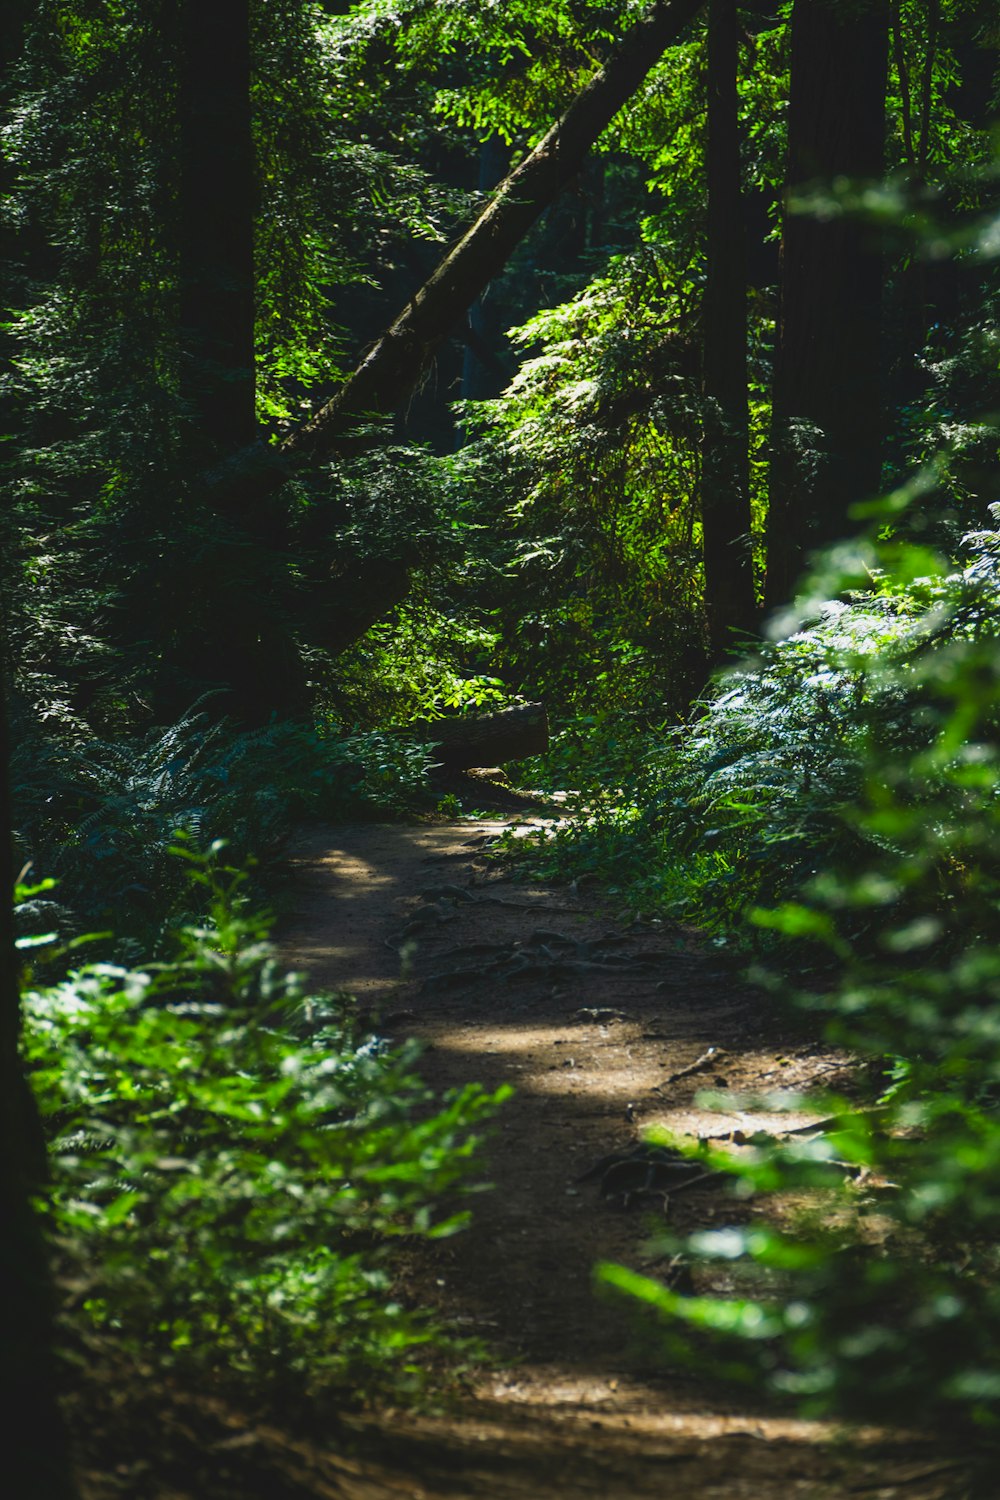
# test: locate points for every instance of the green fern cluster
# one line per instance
(101, 815)
(231, 1161)
(883, 1300)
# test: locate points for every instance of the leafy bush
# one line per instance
(883, 1301)
(590, 457)
(424, 661)
(743, 803)
(231, 1162)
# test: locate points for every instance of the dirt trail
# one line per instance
(592, 1020)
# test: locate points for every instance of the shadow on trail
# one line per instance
(604, 1028)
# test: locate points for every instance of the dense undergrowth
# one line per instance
(747, 799)
(100, 816)
(831, 813)
(232, 1160)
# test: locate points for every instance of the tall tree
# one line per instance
(189, 534)
(230, 632)
(725, 463)
(827, 400)
(383, 380)
(36, 1457)
(215, 217)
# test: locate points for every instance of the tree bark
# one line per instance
(244, 481)
(36, 1453)
(36, 1457)
(389, 372)
(486, 739)
(725, 468)
(392, 368)
(216, 209)
(224, 610)
(242, 484)
(827, 403)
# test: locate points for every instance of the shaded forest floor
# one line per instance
(604, 1027)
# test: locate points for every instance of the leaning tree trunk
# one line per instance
(827, 400)
(390, 371)
(725, 463)
(244, 482)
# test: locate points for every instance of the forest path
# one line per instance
(591, 1020)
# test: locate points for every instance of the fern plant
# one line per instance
(101, 815)
(232, 1160)
(883, 1301)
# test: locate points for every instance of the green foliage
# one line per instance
(102, 815)
(928, 136)
(597, 438)
(522, 62)
(392, 502)
(883, 1302)
(227, 1171)
(955, 424)
(108, 541)
(748, 796)
(231, 1162)
(326, 133)
(417, 665)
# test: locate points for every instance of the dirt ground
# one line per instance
(604, 1027)
(594, 1020)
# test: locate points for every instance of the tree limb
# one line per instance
(393, 366)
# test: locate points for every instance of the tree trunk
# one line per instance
(390, 371)
(392, 368)
(36, 1455)
(248, 476)
(244, 481)
(216, 208)
(725, 468)
(827, 404)
(224, 605)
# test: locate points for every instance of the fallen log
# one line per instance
(486, 739)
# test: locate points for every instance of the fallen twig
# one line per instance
(706, 1060)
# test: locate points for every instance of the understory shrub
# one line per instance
(101, 815)
(881, 1299)
(740, 805)
(232, 1160)
(424, 661)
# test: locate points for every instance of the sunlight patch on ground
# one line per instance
(583, 1393)
(704, 1122)
(357, 872)
(513, 1041)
